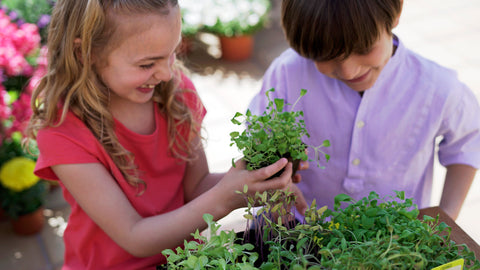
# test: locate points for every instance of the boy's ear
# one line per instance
(397, 20)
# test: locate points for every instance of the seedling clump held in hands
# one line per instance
(273, 134)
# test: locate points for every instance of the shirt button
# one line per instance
(356, 162)
(360, 124)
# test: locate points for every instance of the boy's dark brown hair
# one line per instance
(323, 30)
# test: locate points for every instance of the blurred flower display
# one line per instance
(30, 11)
(22, 63)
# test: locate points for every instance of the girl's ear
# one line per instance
(77, 47)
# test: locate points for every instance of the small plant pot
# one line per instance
(29, 224)
(252, 236)
(236, 48)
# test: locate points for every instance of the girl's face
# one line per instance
(360, 71)
(143, 57)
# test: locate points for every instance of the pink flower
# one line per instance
(17, 43)
(21, 113)
(39, 72)
(5, 110)
(26, 38)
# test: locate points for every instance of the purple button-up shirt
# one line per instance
(385, 140)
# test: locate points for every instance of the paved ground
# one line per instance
(446, 31)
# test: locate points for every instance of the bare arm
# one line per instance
(100, 197)
(198, 178)
(457, 183)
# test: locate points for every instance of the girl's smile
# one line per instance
(146, 88)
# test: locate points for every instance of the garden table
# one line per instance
(458, 235)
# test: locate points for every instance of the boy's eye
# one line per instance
(146, 66)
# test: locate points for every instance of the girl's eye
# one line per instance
(146, 66)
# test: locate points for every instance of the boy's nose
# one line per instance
(347, 70)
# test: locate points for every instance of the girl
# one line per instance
(118, 124)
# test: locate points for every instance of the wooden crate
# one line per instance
(458, 235)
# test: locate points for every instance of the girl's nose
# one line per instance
(163, 73)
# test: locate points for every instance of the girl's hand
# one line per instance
(237, 177)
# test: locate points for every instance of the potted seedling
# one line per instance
(266, 138)
(274, 134)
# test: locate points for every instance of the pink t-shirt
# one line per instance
(86, 245)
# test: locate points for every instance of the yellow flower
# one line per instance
(333, 225)
(17, 174)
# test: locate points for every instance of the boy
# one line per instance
(381, 105)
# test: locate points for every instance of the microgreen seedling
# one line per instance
(273, 134)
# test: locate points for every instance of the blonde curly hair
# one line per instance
(71, 83)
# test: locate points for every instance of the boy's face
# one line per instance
(360, 71)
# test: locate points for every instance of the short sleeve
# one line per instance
(461, 130)
(56, 148)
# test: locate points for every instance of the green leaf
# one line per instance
(245, 188)
(303, 92)
(279, 103)
(341, 198)
(191, 261)
(208, 218)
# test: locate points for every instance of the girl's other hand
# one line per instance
(237, 177)
(300, 202)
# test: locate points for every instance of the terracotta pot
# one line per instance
(29, 224)
(237, 48)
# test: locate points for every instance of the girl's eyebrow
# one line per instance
(154, 58)
(151, 58)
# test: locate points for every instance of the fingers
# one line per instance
(297, 178)
(240, 164)
(303, 165)
(266, 172)
(280, 182)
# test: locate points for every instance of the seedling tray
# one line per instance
(458, 235)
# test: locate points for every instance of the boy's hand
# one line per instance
(302, 166)
(300, 202)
